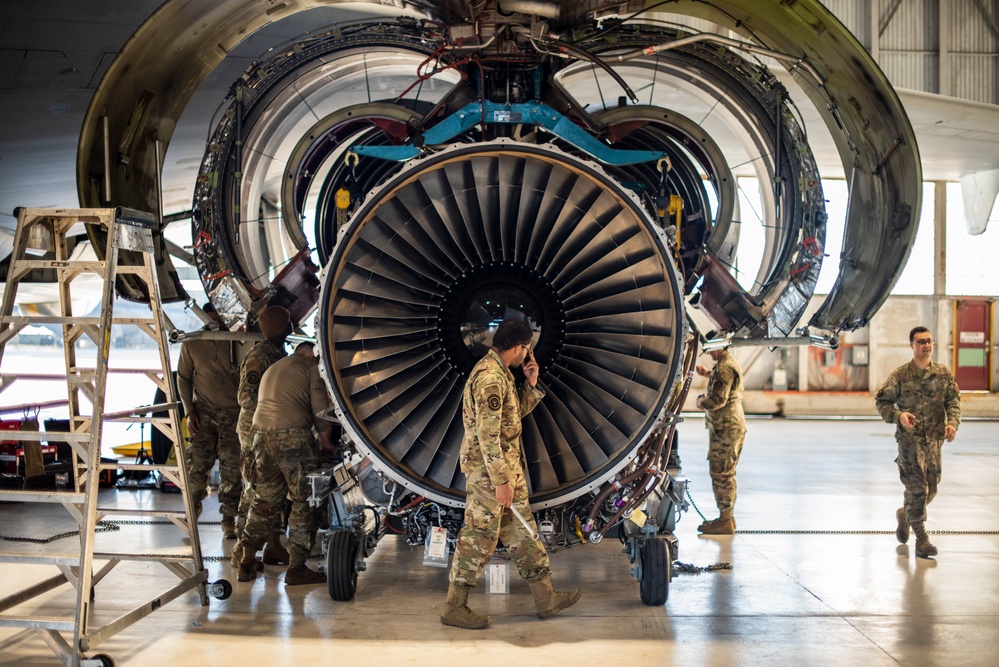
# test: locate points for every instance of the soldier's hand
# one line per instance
(504, 494)
(193, 422)
(530, 368)
(907, 420)
(701, 370)
(950, 433)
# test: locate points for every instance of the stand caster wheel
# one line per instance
(220, 590)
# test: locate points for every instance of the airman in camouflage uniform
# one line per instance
(207, 381)
(291, 396)
(275, 325)
(726, 423)
(492, 460)
(923, 400)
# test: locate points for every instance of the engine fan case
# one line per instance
(420, 258)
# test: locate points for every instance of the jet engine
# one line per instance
(452, 164)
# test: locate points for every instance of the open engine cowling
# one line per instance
(458, 241)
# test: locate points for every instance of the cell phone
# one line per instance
(528, 357)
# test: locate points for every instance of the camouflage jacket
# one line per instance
(931, 395)
(722, 401)
(258, 360)
(491, 412)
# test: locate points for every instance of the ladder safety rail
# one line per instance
(130, 251)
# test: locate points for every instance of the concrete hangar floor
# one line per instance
(817, 578)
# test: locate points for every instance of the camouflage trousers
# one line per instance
(487, 522)
(723, 456)
(248, 466)
(284, 460)
(920, 470)
(216, 440)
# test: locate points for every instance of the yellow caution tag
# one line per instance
(342, 199)
(639, 518)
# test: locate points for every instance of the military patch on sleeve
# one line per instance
(492, 396)
(253, 377)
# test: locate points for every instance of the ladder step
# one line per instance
(131, 416)
(120, 511)
(49, 436)
(41, 559)
(38, 405)
(54, 319)
(142, 466)
(175, 556)
(38, 622)
(96, 266)
(33, 376)
(136, 371)
(73, 560)
(43, 496)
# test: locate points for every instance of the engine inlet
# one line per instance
(456, 242)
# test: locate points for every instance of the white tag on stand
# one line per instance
(435, 552)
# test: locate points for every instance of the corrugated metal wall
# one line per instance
(908, 36)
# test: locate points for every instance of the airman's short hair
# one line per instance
(511, 333)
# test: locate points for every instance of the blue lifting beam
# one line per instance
(528, 113)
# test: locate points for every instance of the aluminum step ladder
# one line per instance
(129, 250)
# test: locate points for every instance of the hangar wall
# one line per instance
(844, 381)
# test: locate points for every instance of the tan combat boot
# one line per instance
(457, 613)
(298, 573)
(229, 527)
(247, 564)
(924, 549)
(723, 525)
(902, 531)
(548, 601)
(274, 553)
(237, 557)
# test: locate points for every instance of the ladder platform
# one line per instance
(38, 622)
(64, 497)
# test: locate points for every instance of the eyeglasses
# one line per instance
(923, 341)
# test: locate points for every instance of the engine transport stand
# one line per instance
(649, 541)
(355, 525)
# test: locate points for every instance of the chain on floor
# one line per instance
(680, 567)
